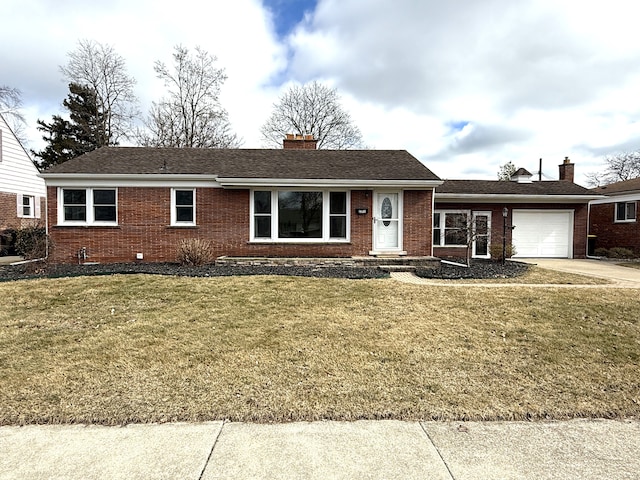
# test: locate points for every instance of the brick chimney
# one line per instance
(299, 142)
(566, 170)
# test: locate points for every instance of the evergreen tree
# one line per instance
(84, 131)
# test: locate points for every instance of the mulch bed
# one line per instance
(478, 269)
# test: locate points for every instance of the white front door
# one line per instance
(386, 221)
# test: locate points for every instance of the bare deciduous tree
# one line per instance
(10, 105)
(191, 115)
(506, 171)
(313, 109)
(618, 167)
(100, 68)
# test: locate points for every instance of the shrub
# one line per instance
(496, 250)
(8, 242)
(601, 252)
(195, 252)
(31, 242)
(620, 252)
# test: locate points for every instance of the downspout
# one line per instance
(433, 209)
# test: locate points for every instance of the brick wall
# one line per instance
(9, 213)
(579, 229)
(610, 234)
(222, 217)
(417, 222)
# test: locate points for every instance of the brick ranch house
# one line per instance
(613, 219)
(124, 204)
(22, 192)
(549, 217)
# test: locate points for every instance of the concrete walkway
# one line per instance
(620, 277)
(585, 449)
(10, 260)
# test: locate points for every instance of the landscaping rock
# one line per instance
(479, 269)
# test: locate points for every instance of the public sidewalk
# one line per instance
(585, 449)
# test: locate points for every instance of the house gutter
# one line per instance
(503, 198)
(326, 182)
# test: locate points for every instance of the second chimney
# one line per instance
(566, 170)
(299, 142)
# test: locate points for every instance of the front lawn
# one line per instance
(140, 348)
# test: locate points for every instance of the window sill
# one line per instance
(625, 221)
(85, 225)
(183, 227)
(299, 242)
(450, 246)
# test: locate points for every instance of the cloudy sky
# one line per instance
(464, 86)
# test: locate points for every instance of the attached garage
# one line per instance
(543, 233)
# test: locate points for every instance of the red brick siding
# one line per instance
(222, 216)
(417, 222)
(9, 213)
(611, 234)
(579, 228)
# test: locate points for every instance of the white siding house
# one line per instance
(22, 192)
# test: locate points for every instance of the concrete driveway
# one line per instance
(609, 270)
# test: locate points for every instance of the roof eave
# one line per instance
(125, 179)
(626, 197)
(325, 182)
(513, 198)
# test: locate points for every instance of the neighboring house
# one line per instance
(613, 220)
(549, 217)
(122, 204)
(22, 191)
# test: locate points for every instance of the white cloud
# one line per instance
(529, 79)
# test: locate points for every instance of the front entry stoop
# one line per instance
(397, 268)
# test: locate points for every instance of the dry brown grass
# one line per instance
(152, 349)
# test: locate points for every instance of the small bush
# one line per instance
(195, 252)
(601, 252)
(496, 251)
(620, 252)
(31, 242)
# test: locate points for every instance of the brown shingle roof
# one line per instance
(497, 187)
(619, 188)
(251, 163)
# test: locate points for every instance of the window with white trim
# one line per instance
(183, 206)
(87, 206)
(27, 206)
(299, 215)
(450, 228)
(626, 212)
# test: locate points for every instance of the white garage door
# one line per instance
(543, 233)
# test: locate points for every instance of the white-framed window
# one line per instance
(299, 215)
(87, 206)
(450, 228)
(183, 206)
(28, 206)
(625, 212)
